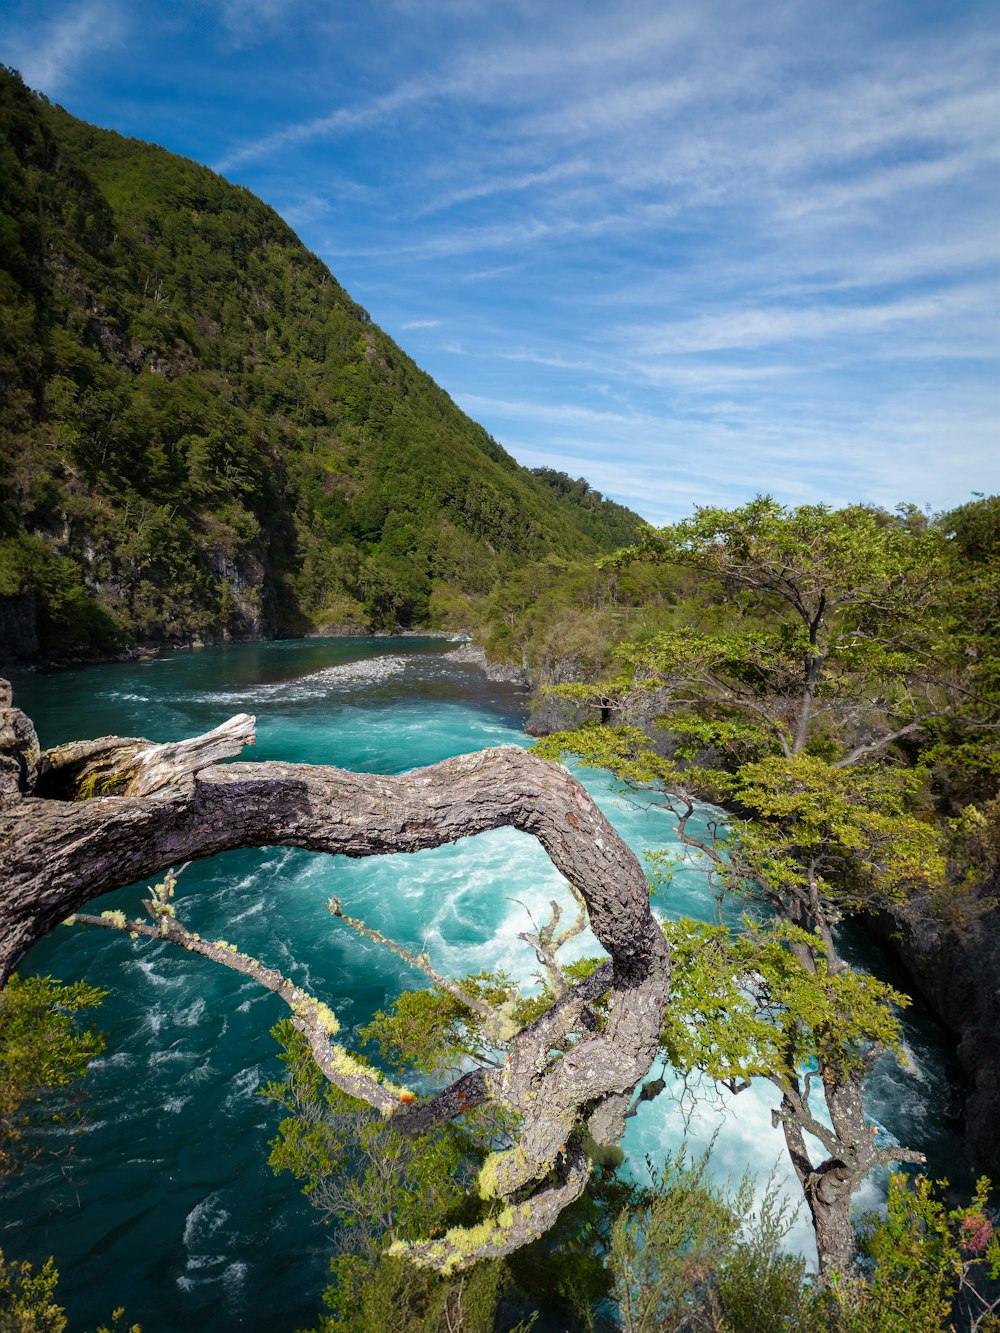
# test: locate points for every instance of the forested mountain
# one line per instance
(203, 435)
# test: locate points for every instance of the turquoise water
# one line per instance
(164, 1202)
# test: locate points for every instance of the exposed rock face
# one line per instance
(243, 577)
(548, 712)
(19, 752)
(955, 970)
(474, 655)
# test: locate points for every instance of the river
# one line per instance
(163, 1200)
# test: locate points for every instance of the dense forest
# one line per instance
(202, 436)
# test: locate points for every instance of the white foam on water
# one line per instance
(190, 1016)
(913, 1066)
(254, 909)
(200, 1074)
(204, 1220)
(741, 1137)
(243, 1086)
(171, 1055)
(86, 1126)
(173, 1105)
(496, 887)
(116, 1060)
(198, 1262)
(234, 1277)
(274, 865)
(148, 968)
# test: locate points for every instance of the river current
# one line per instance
(163, 1200)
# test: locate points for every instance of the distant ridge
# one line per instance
(203, 437)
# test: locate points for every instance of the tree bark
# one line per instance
(58, 854)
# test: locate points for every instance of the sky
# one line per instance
(690, 251)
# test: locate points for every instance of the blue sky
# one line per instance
(691, 251)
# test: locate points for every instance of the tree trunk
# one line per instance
(163, 805)
(829, 1200)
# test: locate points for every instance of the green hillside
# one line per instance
(203, 435)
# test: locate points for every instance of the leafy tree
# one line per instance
(43, 1052)
(28, 1301)
(696, 1257)
(377, 1187)
(928, 1258)
(27, 1298)
(814, 651)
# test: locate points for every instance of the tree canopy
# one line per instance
(813, 648)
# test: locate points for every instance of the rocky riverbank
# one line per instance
(954, 970)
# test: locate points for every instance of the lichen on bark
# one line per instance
(60, 847)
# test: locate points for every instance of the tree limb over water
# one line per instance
(86, 818)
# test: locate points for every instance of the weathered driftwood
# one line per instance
(105, 814)
(116, 766)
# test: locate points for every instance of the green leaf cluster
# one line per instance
(43, 1051)
(376, 1187)
(432, 1031)
(932, 1264)
(694, 1256)
(741, 1005)
(28, 1301)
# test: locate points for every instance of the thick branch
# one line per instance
(56, 855)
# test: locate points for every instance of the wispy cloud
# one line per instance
(344, 119)
(243, 14)
(501, 184)
(51, 53)
(768, 326)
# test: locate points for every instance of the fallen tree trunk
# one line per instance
(84, 819)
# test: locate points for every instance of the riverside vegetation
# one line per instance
(205, 437)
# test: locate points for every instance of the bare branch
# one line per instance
(546, 943)
(311, 1016)
(873, 747)
(115, 766)
(500, 1027)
